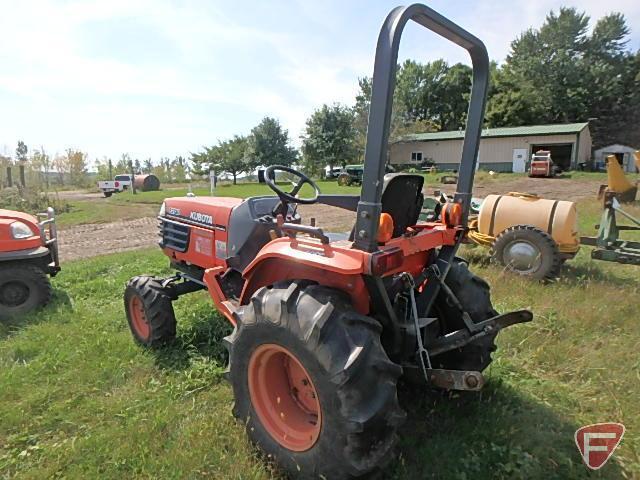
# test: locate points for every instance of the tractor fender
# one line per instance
(302, 259)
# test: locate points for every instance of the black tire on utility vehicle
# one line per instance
(474, 294)
(23, 288)
(107, 194)
(149, 310)
(527, 251)
(312, 382)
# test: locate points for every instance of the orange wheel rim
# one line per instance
(284, 397)
(139, 317)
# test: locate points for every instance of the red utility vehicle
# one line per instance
(325, 324)
(542, 165)
(28, 253)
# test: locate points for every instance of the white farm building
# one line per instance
(501, 149)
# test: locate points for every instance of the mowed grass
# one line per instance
(79, 399)
(84, 212)
(241, 190)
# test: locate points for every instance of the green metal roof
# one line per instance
(557, 129)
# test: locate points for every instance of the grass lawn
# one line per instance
(78, 399)
(83, 212)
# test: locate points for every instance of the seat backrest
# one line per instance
(402, 199)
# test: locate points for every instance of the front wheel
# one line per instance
(149, 311)
(23, 288)
(313, 384)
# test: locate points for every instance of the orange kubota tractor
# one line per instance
(325, 324)
(28, 253)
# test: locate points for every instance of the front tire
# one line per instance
(149, 310)
(23, 288)
(312, 383)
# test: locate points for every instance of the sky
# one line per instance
(160, 78)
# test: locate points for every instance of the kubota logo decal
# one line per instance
(597, 442)
(201, 218)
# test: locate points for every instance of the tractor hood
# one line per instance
(7, 241)
(21, 216)
(208, 212)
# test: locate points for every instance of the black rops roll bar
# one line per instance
(383, 86)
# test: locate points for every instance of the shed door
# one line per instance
(519, 160)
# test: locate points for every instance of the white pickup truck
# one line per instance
(118, 184)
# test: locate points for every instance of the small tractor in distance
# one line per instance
(28, 253)
(326, 324)
(542, 165)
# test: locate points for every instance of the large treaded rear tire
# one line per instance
(550, 262)
(23, 288)
(354, 379)
(474, 294)
(155, 307)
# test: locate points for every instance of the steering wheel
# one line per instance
(290, 197)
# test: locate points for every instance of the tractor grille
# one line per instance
(174, 235)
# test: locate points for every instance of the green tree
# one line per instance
(76, 166)
(21, 151)
(226, 157)
(560, 73)
(330, 137)
(147, 165)
(122, 165)
(40, 162)
(428, 97)
(268, 144)
(102, 167)
(361, 112)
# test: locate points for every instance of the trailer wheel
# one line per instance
(23, 288)
(312, 382)
(149, 310)
(527, 251)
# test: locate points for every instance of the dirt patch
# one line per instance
(84, 241)
(76, 195)
(552, 188)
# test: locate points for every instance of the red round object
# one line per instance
(139, 317)
(284, 397)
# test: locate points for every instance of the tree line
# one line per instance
(74, 168)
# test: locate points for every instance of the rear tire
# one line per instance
(474, 294)
(344, 180)
(107, 194)
(349, 376)
(149, 310)
(527, 251)
(23, 288)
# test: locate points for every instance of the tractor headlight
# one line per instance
(163, 209)
(20, 230)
